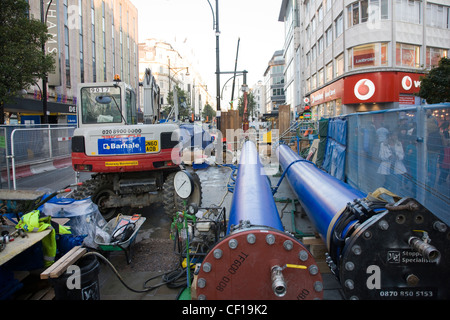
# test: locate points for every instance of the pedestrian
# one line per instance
(382, 133)
(434, 148)
(392, 167)
(410, 161)
(444, 160)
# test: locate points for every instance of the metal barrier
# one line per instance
(30, 146)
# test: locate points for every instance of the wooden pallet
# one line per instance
(46, 293)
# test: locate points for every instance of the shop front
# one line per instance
(29, 111)
(366, 92)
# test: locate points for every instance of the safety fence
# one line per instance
(24, 146)
(406, 151)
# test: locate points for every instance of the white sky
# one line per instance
(255, 22)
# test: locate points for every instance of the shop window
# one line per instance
(368, 55)
(434, 55)
(407, 55)
(338, 107)
(384, 54)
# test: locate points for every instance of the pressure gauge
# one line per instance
(183, 184)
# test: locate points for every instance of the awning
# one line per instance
(35, 106)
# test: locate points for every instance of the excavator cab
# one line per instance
(107, 104)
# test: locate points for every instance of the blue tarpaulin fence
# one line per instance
(406, 151)
(334, 160)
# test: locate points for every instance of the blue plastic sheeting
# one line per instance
(335, 154)
(337, 130)
(195, 136)
(252, 197)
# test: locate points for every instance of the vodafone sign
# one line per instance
(378, 87)
(374, 87)
(410, 82)
(364, 89)
(406, 83)
(369, 87)
(329, 93)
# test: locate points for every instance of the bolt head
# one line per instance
(356, 250)
(270, 239)
(303, 255)
(383, 225)
(313, 269)
(217, 253)
(349, 266)
(207, 267)
(288, 245)
(233, 243)
(251, 238)
(349, 284)
(201, 283)
(318, 286)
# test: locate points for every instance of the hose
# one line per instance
(168, 278)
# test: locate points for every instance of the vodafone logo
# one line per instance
(364, 89)
(407, 82)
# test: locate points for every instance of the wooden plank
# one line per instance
(20, 244)
(60, 266)
(318, 250)
(312, 240)
(19, 195)
(68, 262)
(284, 118)
(46, 273)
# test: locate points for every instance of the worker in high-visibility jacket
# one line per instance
(32, 222)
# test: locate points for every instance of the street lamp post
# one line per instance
(217, 67)
(44, 78)
(216, 27)
(245, 89)
(175, 73)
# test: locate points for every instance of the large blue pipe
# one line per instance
(374, 247)
(257, 259)
(321, 195)
(252, 198)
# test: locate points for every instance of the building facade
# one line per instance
(274, 81)
(259, 94)
(171, 69)
(362, 55)
(92, 41)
